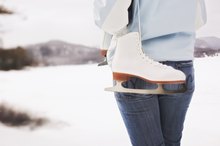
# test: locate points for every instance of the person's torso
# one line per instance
(167, 27)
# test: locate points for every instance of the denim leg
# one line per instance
(173, 108)
(156, 120)
(141, 115)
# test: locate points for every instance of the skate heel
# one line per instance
(103, 53)
(121, 76)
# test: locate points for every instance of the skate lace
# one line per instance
(153, 62)
(144, 56)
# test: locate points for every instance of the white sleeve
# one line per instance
(111, 15)
(201, 17)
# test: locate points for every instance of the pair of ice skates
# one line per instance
(130, 60)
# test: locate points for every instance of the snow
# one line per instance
(85, 115)
(202, 125)
(70, 94)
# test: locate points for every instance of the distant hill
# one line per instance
(48, 54)
(207, 46)
(57, 52)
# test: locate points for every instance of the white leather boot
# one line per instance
(130, 61)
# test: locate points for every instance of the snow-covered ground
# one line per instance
(74, 97)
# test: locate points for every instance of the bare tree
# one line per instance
(4, 10)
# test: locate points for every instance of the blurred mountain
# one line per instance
(58, 52)
(207, 46)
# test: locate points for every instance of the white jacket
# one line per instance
(167, 27)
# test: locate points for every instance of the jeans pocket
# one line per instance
(135, 83)
(188, 69)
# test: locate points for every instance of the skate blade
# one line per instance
(104, 62)
(159, 90)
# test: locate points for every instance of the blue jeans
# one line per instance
(156, 120)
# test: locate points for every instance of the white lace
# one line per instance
(143, 55)
(150, 60)
(147, 58)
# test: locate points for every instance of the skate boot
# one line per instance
(106, 40)
(130, 61)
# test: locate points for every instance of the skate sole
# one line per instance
(125, 77)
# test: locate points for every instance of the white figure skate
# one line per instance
(130, 61)
(104, 48)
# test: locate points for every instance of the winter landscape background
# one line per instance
(66, 104)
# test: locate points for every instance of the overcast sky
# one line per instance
(69, 20)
